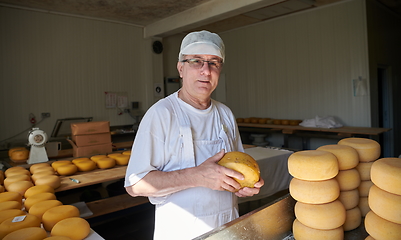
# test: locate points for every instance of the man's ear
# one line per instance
(179, 68)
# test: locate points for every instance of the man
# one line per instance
(178, 144)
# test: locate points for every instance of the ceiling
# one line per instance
(161, 18)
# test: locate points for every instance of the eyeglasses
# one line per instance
(198, 63)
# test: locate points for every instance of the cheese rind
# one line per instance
(20, 187)
(58, 213)
(67, 169)
(368, 149)
(380, 228)
(105, 163)
(313, 165)
(314, 192)
(302, 232)
(50, 180)
(364, 187)
(386, 174)
(350, 199)
(10, 196)
(384, 204)
(75, 228)
(40, 197)
(347, 156)
(348, 179)
(9, 213)
(38, 189)
(39, 208)
(85, 166)
(364, 170)
(321, 216)
(30, 233)
(10, 225)
(10, 205)
(353, 219)
(364, 205)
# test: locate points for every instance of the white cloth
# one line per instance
(173, 135)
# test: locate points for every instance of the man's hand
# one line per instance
(249, 192)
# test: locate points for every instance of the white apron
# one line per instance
(189, 213)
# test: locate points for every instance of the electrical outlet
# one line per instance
(45, 115)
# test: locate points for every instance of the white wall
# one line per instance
(63, 65)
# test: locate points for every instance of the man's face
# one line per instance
(196, 80)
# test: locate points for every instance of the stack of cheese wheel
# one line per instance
(319, 213)
(349, 180)
(17, 179)
(121, 159)
(384, 219)
(368, 152)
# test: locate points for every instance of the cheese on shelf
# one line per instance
(314, 192)
(302, 232)
(347, 156)
(380, 228)
(368, 149)
(386, 174)
(384, 204)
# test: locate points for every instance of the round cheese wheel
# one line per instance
(19, 172)
(321, 216)
(97, 157)
(347, 156)
(10, 196)
(19, 187)
(20, 155)
(368, 149)
(364, 187)
(30, 233)
(56, 164)
(384, 204)
(364, 170)
(105, 163)
(314, 192)
(10, 205)
(122, 160)
(380, 228)
(43, 169)
(10, 213)
(41, 174)
(350, 199)
(313, 165)
(80, 159)
(126, 153)
(386, 174)
(67, 169)
(11, 150)
(39, 208)
(75, 228)
(353, 219)
(58, 213)
(12, 224)
(57, 238)
(40, 197)
(114, 155)
(15, 178)
(38, 189)
(12, 169)
(85, 166)
(240, 162)
(35, 166)
(348, 179)
(302, 232)
(364, 205)
(51, 180)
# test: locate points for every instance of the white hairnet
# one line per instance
(202, 42)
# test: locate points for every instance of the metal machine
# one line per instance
(37, 140)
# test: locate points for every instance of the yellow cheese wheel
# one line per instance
(58, 213)
(51, 180)
(321, 216)
(11, 150)
(40, 197)
(80, 159)
(113, 155)
(353, 219)
(67, 169)
(43, 169)
(10, 196)
(380, 228)
(386, 174)
(105, 163)
(18, 172)
(41, 174)
(368, 149)
(20, 155)
(12, 224)
(347, 156)
(85, 166)
(19, 187)
(126, 152)
(10, 213)
(313, 165)
(350, 199)
(30, 233)
(314, 192)
(57, 238)
(10, 205)
(302, 232)
(364, 187)
(97, 157)
(39, 208)
(240, 162)
(12, 169)
(15, 178)
(75, 228)
(122, 160)
(38, 189)
(384, 204)
(364, 170)
(1, 177)
(35, 166)
(364, 205)
(56, 164)
(348, 179)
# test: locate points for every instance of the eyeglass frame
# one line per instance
(203, 62)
